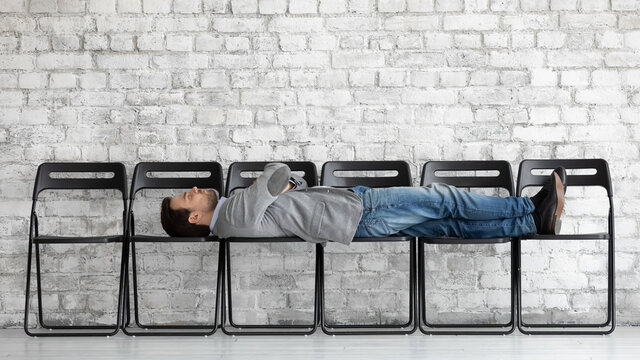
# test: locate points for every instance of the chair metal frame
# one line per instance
(403, 178)
(504, 180)
(44, 181)
(601, 178)
(235, 181)
(142, 181)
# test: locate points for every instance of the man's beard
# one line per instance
(212, 199)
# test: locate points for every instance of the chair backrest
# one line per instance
(599, 177)
(503, 179)
(236, 180)
(45, 181)
(330, 178)
(142, 180)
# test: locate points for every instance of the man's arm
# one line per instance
(249, 205)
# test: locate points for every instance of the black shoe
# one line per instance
(549, 203)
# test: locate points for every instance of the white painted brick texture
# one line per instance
(318, 80)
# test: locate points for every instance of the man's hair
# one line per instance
(176, 222)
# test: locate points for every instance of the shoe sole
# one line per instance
(556, 224)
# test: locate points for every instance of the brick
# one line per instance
(574, 59)
(272, 6)
(470, 22)
(605, 78)
(343, 60)
(408, 23)
(66, 25)
(517, 59)
(155, 80)
(548, 96)
(530, 22)
(587, 21)
(240, 61)
(215, 6)
(210, 116)
(9, 6)
(244, 6)
(17, 24)
(544, 115)
(150, 42)
(122, 61)
(253, 135)
(543, 77)
(16, 62)
(601, 97)
(332, 98)
(42, 6)
(182, 24)
(391, 5)
(34, 43)
(123, 24)
(294, 25)
(8, 81)
(622, 59)
(303, 6)
(575, 78)
(64, 62)
(237, 44)
(551, 39)
(305, 60)
(122, 43)
(352, 24)
(32, 80)
(190, 61)
(129, 6)
(467, 41)
(186, 6)
(239, 25)
(96, 42)
(239, 117)
(179, 43)
(102, 6)
(487, 96)
(540, 133)
(267, 97)
(206, 42)
(214, 79)
(332, 6)
(156, 6)
(433, 96)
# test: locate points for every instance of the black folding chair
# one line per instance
(600, 178)
(503, 180)
(236, 180)
(402, 178)
(143, 180)
(45, 181)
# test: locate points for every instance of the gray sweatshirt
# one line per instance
(315, 214)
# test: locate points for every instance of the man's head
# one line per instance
(188, 214)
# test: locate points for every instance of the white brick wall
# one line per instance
(232, 80)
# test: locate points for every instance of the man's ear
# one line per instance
(194, 217)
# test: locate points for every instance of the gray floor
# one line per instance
(624, 343)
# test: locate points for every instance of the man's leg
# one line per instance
(474, 229)
(391, 210)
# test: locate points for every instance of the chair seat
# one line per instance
(455, 240)
(149, 238)
(264, 240)
(383, 239)
(595, 236)
(77, 240)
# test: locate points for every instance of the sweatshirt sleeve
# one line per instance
(250, 204)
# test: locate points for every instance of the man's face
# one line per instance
(195, 200)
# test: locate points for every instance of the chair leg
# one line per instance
(262, 329)
(462, 329)
(604, 328)
(162, 330)
(58, 330)
(375, 329)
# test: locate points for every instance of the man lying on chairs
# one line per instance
(319, 214)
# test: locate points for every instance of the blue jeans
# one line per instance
(442, 210)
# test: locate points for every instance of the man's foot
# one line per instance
(549, 203)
